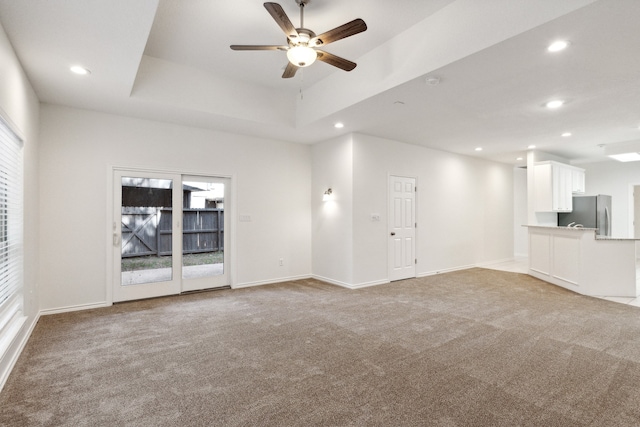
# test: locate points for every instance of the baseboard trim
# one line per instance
(495, 261)
(350, 286)
(12, 358)
(446, 270)
(369, 284)
(74, 308)
(331, 281)
(270, 282)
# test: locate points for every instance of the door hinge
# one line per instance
(416, 225)
(416, 261)
(415, 189)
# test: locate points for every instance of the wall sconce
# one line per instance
(327, 195)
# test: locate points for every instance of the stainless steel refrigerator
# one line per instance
(591, 212)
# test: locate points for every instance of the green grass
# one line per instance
(153, 262)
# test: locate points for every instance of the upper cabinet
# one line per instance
(554, 184)
(577, 180)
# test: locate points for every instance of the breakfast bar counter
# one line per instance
(580, 260)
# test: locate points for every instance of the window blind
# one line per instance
(11, 233)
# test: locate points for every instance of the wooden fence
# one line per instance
(147, 231)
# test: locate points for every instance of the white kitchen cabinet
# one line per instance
(554, 185)
(577, 180)
(579, 260)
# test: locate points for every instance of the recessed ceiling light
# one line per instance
(531, 147)
(566, 134)
(432, 81)
(76, 69)
(518, 158)
(556, 103)
(558, 46)
(478, 148)
(626, 157)
(338, 125)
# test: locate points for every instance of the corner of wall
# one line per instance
(332, 220)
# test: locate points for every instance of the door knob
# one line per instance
(393, 234)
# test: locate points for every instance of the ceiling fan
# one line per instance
(302, 43)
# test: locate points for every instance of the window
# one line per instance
(11, 219)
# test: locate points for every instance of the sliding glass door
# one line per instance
(203, 233)
(168, 234)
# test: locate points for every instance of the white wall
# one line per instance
(271, 183)
(520, 213)
(464, 207)
(615, 179)
(332, 235)
(19, 106)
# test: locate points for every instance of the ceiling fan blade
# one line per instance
(281, 18)
(290, 71)
(349, 29)
(256, 47)
(336, 61)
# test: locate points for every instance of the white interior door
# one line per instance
(205, 233)
(146, 219)
(402, 227)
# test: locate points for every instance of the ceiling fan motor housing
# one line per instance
(304, 35)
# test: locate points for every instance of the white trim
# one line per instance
(12, 125)
(374, 283)
(446, 270)
(631, 214)
(270, 282)
(75, 308)
(12, 358)
(349, 286)
(499, 261)
(110, 232)
(230, 220)
(332, 282)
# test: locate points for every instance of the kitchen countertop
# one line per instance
(614, 238)
(562, 228)
(597, 237)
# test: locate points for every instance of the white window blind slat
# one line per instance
(11, 234)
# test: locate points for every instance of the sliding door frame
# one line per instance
(230, 218)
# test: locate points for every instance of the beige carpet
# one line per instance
(470, 348)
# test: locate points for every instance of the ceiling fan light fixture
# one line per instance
(302, 56)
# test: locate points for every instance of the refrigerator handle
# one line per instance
(607, 223)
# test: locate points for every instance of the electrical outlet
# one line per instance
(281, 262)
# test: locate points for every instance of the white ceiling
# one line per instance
(170, 60)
